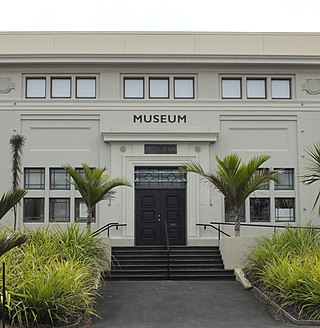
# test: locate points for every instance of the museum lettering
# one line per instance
(157, 118)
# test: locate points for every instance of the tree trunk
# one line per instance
(237, 225)
(89, 219)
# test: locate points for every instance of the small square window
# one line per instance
(183, 88)
(256, 88)
(81, 211)
(59, 179)
(281, 88)
(60, 87)
(285, 209)
(34, 178)
(33, 209)
(286, 180)
(134, 88)
(85, 87)
(36, 87)
(59, 209)
(231, 88)
(158, 88)
(229, 214)
(259, 209)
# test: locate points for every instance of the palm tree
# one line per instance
(17, 142)
(313, 170)
(94, 185)
(235, 179)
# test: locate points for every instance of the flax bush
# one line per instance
(51, 279)
(287, 267)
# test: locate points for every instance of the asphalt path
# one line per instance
(181, 304)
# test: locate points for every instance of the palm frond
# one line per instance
(10, 199)
(312, 174)
(8, 242)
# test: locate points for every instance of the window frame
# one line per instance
(82, 219)
(42, 199)
(239, 79)
(256, 79)
(61, 78)
(255, 199)
(26, 174)
(67, 210)
(293, 209)
(155, 78)
(29, 78)
(227, 218)
(277, 186)
(134, 79)
(177, 78)
(52, 185)
(290, 88)
(77, 78)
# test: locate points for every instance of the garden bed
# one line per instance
(285, 271)
(51, 280)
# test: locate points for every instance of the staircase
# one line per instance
(151, 263)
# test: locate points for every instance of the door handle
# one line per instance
(159, 217)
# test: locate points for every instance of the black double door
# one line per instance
(152, 208)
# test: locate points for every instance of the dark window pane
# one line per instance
(259, 209)
(59, 209)
(285, 209)
(229, 214)
(34, 178)
(33, 209)
(59, 179)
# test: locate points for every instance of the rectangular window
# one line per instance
(158, 88)
(183, 88)
(281, 88)
(231, 88)
(259, 209)
(286, 180)
(81, 211)
(59, 179)
(266, 185)
(60, 87)
(36, 87)
(229, 214)
(160, 149)
(59, 209)
(34, 178)
(85, 87)
(134, 88)
(33, 209)
(256, 88)
(285, 209)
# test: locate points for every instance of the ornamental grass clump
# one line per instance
(287, 267)
(52, 278)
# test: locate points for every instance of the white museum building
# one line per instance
(141, 104)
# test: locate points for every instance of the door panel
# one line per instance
(153, 206)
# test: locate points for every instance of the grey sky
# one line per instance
(163, 15)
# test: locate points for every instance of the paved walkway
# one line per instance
(181, 304)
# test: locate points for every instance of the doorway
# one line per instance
(160, 195)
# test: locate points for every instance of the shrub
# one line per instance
(287, 266)
(51, 279)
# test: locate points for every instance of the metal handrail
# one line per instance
(167, 246)
(108, 227)
(205, 225)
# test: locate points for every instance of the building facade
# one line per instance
(141, 104)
